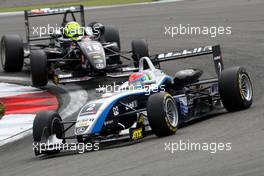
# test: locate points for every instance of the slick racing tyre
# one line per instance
(162, 114)
(12, 53)
(111, 35)
(235, 89)
(39, 70)
(139, 50)
(45, 124)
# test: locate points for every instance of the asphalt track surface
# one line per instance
(243, 129)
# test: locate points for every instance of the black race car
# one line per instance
(95, 53)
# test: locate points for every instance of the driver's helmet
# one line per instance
(73, 30)
(137, 79)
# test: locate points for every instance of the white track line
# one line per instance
(7, 90)
(14, 127)
(20, 125)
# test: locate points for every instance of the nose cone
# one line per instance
(98, 60)
(100, 66)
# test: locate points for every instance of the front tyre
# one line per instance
(139, 50)
(39, 70)
(12, 53)
(235, 89)
(46, 124)
(162, 114)
(111, 35)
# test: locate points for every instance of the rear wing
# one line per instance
(51, 11)
(200, 51)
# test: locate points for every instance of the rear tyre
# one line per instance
(12, 53)
(111, 35)
(162, 114)
(139, 50)
(39, 70)
(235, 89)
(45, 124)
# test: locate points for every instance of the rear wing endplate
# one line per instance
(47, 12)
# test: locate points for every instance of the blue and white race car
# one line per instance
(150, 102)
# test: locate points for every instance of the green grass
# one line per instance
(2, 110)
(83, 2)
